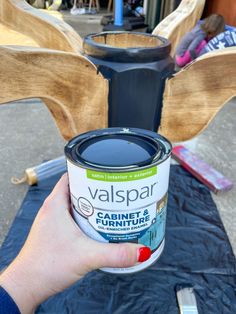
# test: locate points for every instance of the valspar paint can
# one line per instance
(118, 183)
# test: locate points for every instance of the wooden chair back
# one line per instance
(46, 30)
(77, 95)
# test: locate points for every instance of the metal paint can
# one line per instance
(118, 181)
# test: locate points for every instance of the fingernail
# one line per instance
(144, 254)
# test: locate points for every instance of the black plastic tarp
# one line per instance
(197, 252)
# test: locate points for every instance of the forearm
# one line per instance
(21, 285)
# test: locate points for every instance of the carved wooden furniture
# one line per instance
(194, 95)
(46, 30)
(77, 95)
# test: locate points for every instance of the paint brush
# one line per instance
(186, 299)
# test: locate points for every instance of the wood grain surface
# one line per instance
(127, 40)
(75, 94)
(10, 37)
(46, 30)
(194, 95)
(179, 22)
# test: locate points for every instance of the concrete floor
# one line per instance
(29, 136)
(84, 24)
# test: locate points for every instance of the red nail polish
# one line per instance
(144, 254)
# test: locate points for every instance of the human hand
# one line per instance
(57, 253)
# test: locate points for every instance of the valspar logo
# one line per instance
(118, 190)
(120, 196)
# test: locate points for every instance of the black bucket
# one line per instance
(136, 65)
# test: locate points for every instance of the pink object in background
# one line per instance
(201, 170)
(186, 58)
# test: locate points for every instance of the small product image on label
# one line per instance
(85, 207)
(154, 235)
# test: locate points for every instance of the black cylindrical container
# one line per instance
(136, 65)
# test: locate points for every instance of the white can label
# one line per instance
(121, 206)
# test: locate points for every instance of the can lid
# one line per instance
(117, 150)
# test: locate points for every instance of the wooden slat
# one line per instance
(48, 31)
(69, 84)
(181, 21)
(11, 37)
(194, 95)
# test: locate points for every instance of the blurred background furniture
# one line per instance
(110, 5)
(227, 8)
(87, 3)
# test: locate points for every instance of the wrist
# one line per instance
(18, 282)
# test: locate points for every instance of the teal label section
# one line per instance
(151, 236)
(155, 234)
(139, 227)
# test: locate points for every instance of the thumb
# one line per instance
(118, 255)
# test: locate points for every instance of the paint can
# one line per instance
(118, 181)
